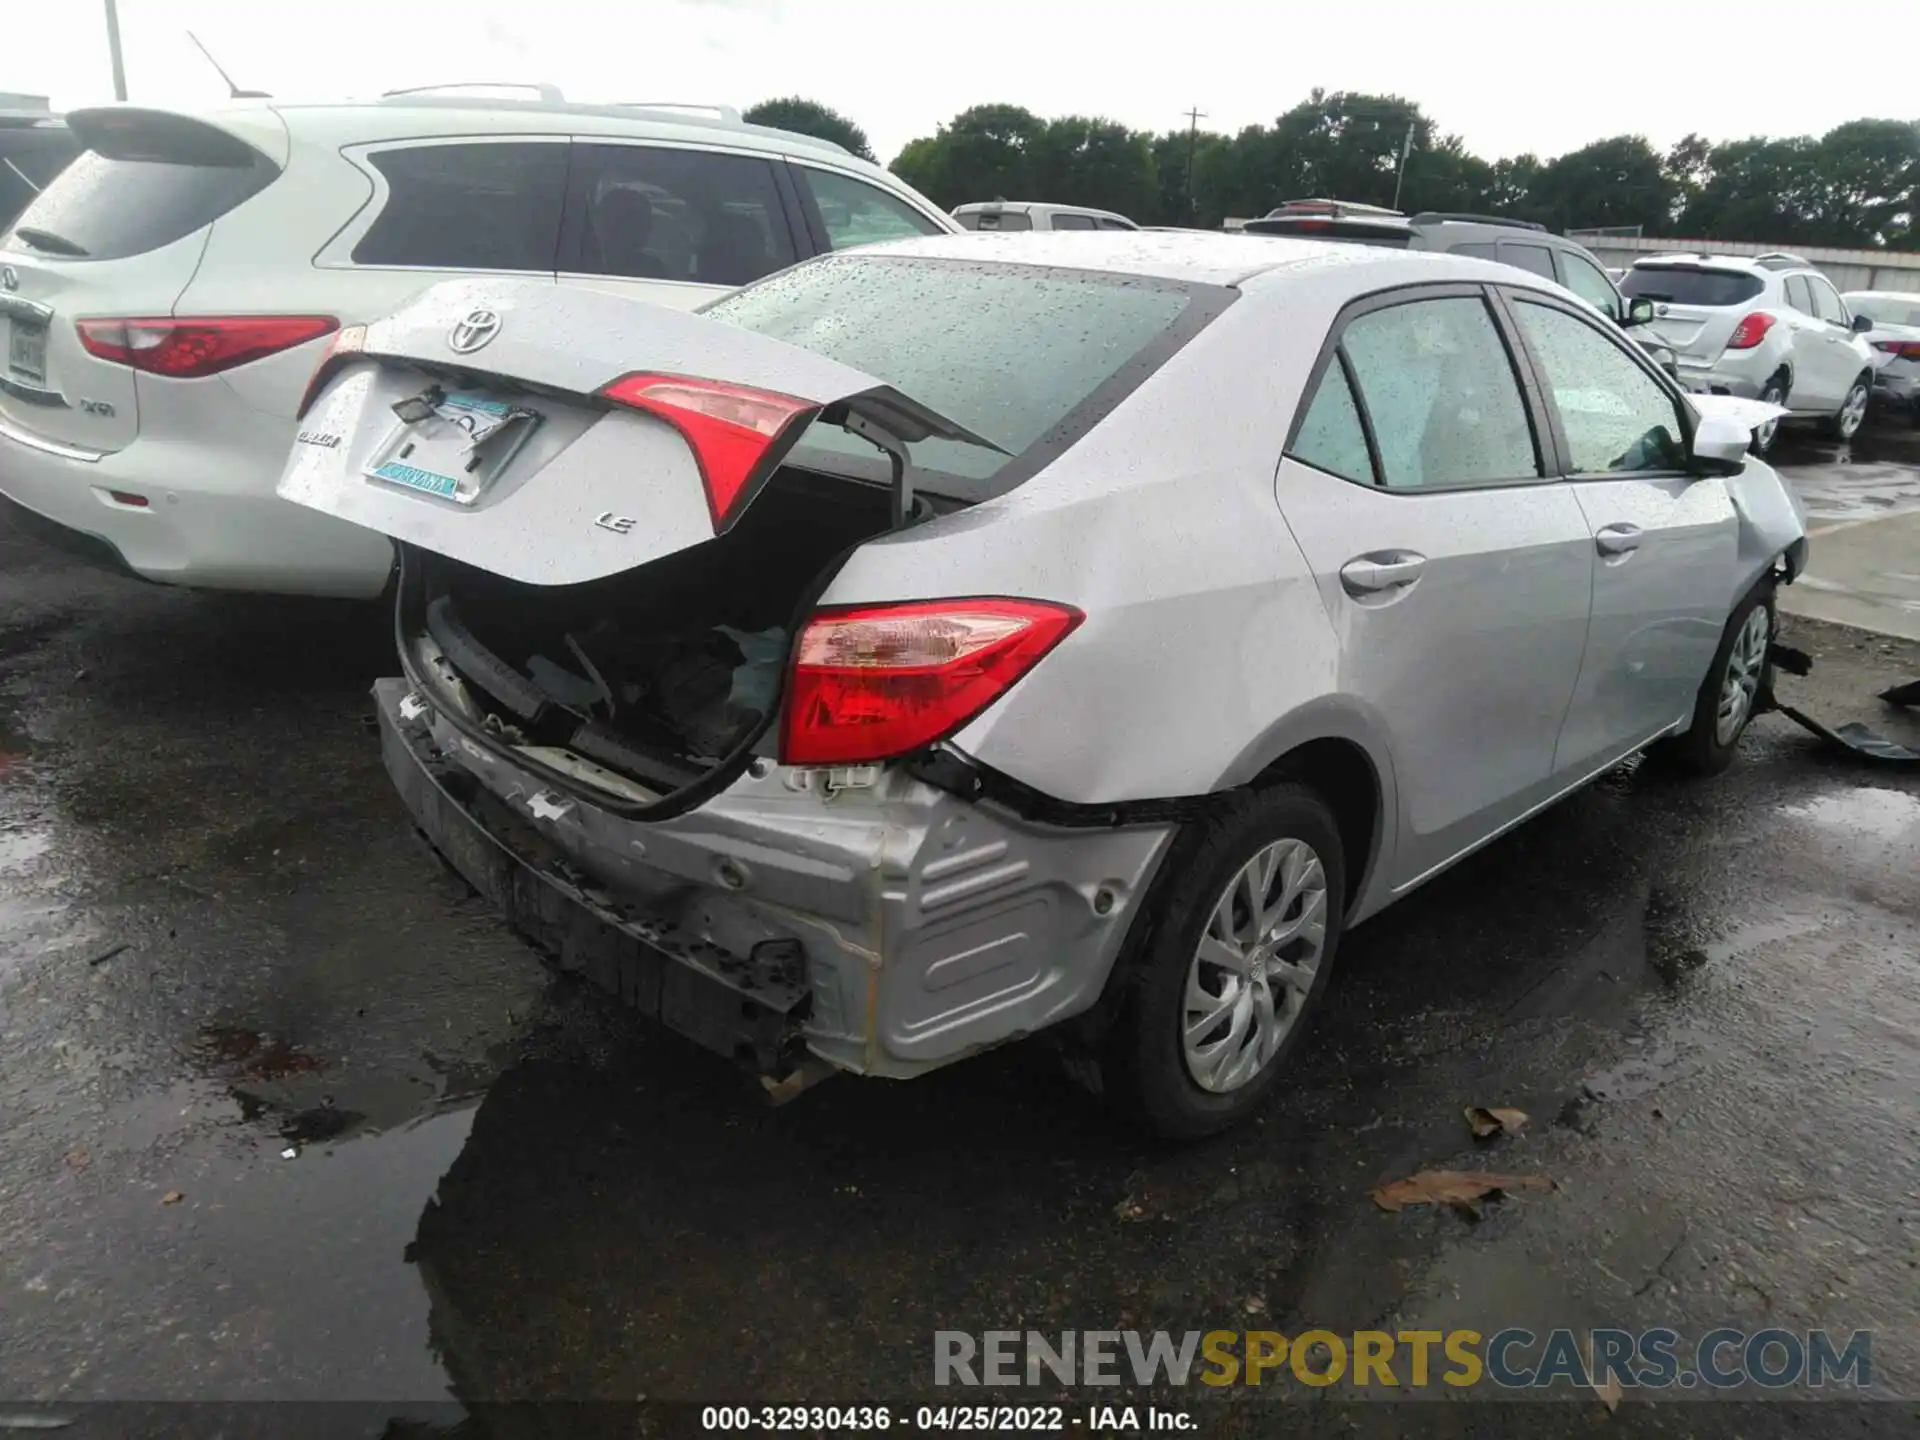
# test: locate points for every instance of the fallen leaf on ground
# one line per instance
(1486, 1123)
(1609, 1392)
(1460, 1188)
(172, 1197)
(77, 1158)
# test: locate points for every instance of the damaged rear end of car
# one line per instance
(625, 715)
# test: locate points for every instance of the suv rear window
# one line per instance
(1691, 285)
(491, 205)
(996, 220)
(1027, 356)
(133, 199)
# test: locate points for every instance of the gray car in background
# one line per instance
(959, 638)
(1895, 338)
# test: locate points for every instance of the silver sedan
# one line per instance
(965, 637)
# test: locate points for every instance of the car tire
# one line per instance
(1845, 422)
(1707, 746)
(1159, 1069)
(1774, 392)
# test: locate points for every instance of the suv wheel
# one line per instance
(1774, 392)
(1852, 413)
(1241, 946)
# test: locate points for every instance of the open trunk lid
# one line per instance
(556, 436)
(119, 232)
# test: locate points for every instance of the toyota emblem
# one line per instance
(476, 330)
(9, 278)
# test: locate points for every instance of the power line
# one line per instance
(1194, 117)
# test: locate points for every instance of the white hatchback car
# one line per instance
(931, 645)
(162, 304)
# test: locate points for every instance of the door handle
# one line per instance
(1379, 573)
(1621, 539)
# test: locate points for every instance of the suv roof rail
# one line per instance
(1435, 217)
(725, 113)
(1781, 260)
(547, 91)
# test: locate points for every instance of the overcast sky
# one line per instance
(1506, 75)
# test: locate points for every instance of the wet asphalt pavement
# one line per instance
(285, 1114)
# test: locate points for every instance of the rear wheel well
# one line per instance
(1342, 775)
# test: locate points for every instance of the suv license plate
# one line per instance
(27, 352)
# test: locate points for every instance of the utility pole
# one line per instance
(1194, 117)
(113, 49)
(1401, 174)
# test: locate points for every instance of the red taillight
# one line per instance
(1751, 330)
(347, 344)
(873, 682)
(731, 429)
(1899, 349)
(189, 348)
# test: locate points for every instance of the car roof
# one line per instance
(1033, 207)
(1200, 257)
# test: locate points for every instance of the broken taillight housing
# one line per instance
(872, 682)
(347, 344)
(193, 347)
(1751, 330)
(731, 429)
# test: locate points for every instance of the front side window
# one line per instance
(1441, 393)
(1066, 221)
(855, 213)
(471, 206)
(1103, 223)
(1331, 437)
(652, 213)
(1826, 301)
(1614, 415)
(1589, 284)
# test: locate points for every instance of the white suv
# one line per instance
(1766, 327)
(164, 302)
(1033, 215)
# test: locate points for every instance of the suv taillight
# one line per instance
(193, 347)
(872, 682)
(1751, 330)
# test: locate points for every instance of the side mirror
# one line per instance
(1639, 312)
(1862, 324)
(1720, 445)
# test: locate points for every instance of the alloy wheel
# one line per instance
(1746, 662)
(1763, 434)
(1255, 965)
(1853, 414)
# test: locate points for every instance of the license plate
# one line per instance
(27, 352)
(455, 448)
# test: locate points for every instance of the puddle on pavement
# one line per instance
(1866, 810)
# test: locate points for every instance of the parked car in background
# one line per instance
(720, 678)
(1521, 243)
(1768, 327)
(35, 146)
(168, 295)
(1895, 338)
(1032, 215)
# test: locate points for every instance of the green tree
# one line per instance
(1079, 160)
(1755, 190)
(1863, 191)
(810, 117)
(1619, 181)
(990, 152)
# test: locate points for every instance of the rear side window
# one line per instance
(1065, 221)
(1537, 258)
(1479, 250)
(1331, 437)
(1029, 357)
(1441, 393)
(853, 212)
(1103, 223)
(1691, 285)
(477, 206)
(108, 206)
(651, 213)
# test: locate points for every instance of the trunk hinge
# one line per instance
(905, 506)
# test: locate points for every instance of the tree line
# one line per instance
(1858, 185)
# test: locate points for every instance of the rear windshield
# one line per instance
(105, 209)
(1690, 285)
(1029, 357)
(1886, 309)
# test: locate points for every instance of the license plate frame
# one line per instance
(27, 352)
(456, 449)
